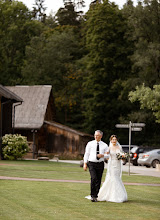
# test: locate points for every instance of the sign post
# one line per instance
(132, 127)
(130, 131)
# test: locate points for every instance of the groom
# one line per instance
(94, 155)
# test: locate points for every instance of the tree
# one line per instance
(79, 3)
(16, 30)
(144, 31)
(39, 10)
(107, 66)
(68, 15)
(148, 98)
(50, 21)
(51, 59)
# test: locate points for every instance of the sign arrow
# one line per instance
(138, 124)
(136, 129)
(122, 126)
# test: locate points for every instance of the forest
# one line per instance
(103, 65)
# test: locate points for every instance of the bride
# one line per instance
(113, 189)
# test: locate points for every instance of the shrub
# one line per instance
(14, 146)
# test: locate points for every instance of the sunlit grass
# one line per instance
(57, 170)
(29, 200)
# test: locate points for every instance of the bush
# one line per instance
(14, 146)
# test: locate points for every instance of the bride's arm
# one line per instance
(106, 154)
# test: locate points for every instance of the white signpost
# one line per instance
(132, 127)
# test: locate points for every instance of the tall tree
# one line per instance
(107, 65)
(145, 24)
(51, 59)
(16, 30)
(143, 32)
(68, 15)
(79, 3)
(39, 10)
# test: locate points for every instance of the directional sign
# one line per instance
(122, 126)
(138, 124)
(131, 127)
(136, 129)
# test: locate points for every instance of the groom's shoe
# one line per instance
(93, 199)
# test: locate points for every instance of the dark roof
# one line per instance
(6, 93)
(66, 128)
(31, 114)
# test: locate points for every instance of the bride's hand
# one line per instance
(106, 152)
(100, 155)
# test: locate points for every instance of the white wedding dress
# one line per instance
(113, 189)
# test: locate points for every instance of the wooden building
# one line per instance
(36, 119)
(8, 103)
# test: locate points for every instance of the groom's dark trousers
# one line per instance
(96, 171)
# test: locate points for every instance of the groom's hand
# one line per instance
(85, 167)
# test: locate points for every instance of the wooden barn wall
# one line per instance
(60, 141)
(51, 139)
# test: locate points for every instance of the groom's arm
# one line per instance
(86, 156)
(106, 151)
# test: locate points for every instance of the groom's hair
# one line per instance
(99, 132)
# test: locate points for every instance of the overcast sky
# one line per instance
(54, 5)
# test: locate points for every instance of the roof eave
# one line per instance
(10, 95)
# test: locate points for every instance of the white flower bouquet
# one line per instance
(122, 155)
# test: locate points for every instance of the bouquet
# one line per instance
(122, 156)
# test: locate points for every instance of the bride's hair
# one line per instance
(112, 136)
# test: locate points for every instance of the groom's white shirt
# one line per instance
(91, 151)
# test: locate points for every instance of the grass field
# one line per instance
(24, 200)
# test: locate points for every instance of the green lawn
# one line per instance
(54, 170)
(26, 200)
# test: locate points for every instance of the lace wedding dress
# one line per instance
(113, 189)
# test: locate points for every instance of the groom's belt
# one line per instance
(96, 162)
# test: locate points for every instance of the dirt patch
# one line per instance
(68, 181)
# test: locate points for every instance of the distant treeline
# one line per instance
(93, 61)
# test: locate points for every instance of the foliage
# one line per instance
(79, 3)
(107, 65)
(144, 32)
(39, 10)
(14, 146)
(16, 30)
(148, 98)
(56, 65)
(92, 60)
(68, 15)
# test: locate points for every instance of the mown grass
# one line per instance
(29, 200)
(54, 170)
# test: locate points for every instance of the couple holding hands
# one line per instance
(112, 189)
